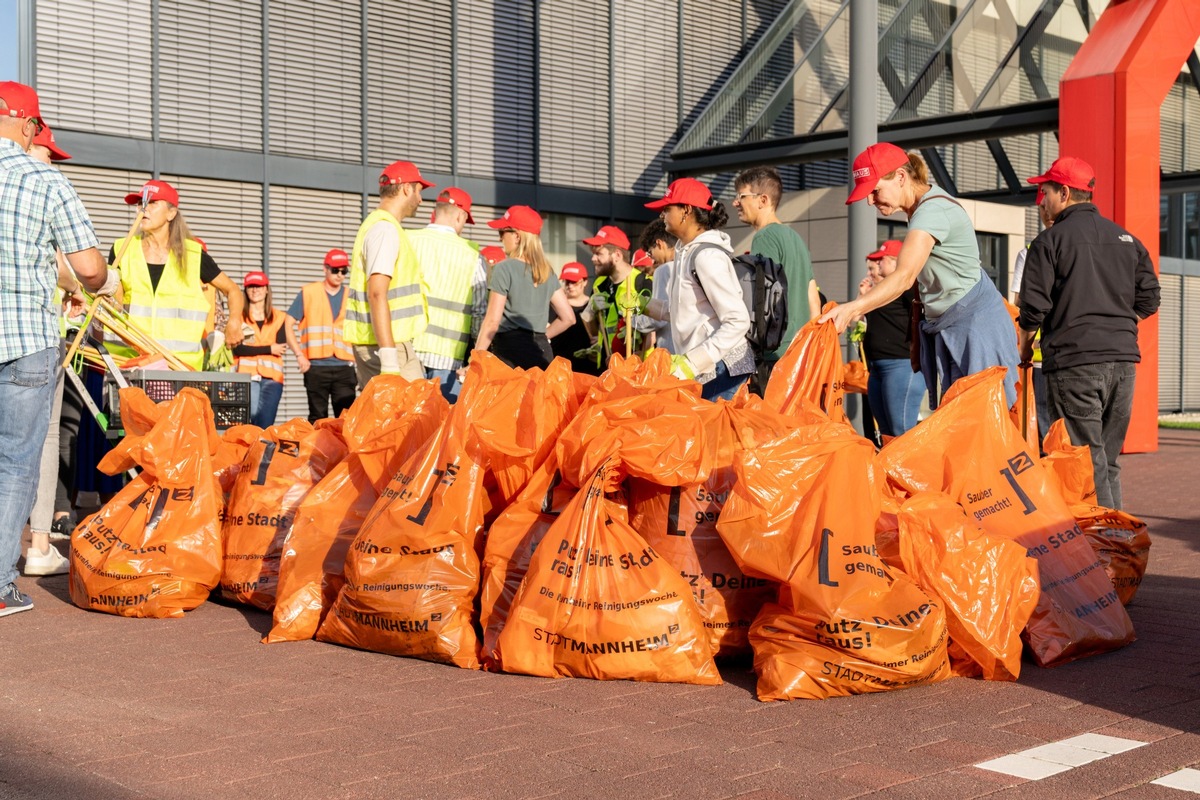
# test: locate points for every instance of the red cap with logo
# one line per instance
(872, 164)
(609, 234)
(684, 192)
(337, 258)
(402, 172)
(521, 218)
(573, 271)
(256, 279)
(641, 258)
(889, 248)
(154, 190)
(45, 138)
(22, 100)
(1069, 171)
(457, 197)
(492, 254)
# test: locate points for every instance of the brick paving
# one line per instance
(101, 707)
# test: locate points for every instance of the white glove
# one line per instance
(389, 361)
(599, 302)
(112, 282)
(682, 368)
(644, 324)
(658, 309)
(216, 340)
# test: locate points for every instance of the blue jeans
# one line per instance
(450, 382)
(894, 392)
(26, 394)
(264, 402)
(724, 386)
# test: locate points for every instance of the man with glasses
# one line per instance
(759, 191)
(39, 211)
(327, 362)
(386, 307)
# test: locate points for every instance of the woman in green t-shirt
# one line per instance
(523, 290)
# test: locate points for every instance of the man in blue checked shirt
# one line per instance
(39, 212)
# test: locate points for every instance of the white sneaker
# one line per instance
(51, 563)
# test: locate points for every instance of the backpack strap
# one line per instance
(692, 264)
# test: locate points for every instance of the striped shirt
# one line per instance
(39, 212)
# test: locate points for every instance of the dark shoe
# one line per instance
(12, 601)
(60, 529)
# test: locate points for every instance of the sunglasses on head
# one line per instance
(339, 270)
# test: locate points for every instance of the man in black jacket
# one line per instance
(1087, 282)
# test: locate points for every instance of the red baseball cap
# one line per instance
(872, 164)
(521, 218)
(684, 192)
(492, 254)
(457, 197)
(573, 271)
(1068, 171)
(889, 248)
(154, 190)
(641, 258)
(22, 100)
(337, 258)
(609, 234)
(256, 279)
(402, 172)
(45, 138)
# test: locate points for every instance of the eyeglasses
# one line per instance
(507, 230)
(738, 198)
(338, 270)
(40, 126)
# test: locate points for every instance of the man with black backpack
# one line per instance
(759, 191)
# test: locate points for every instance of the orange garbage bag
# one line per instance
(235, 443)
(855, 377)
(412, 573)
(803, 511)
(970, 450)
(278, 472)
(386, 424)
(154, 550)
(138, 416)
(1069, 466)
(1024, 412)
(1121, 543)
(987, 584)
(598, 602)
(811, 369)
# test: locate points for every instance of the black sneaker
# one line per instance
(12, 601)
(60, 529)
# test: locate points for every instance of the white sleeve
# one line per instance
(1018, 271)
(381, 248)
(724, 293)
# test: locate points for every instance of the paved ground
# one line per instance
(100, 707)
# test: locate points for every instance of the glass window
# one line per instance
(993, 253)
(1191, 225)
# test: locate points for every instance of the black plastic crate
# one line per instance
(228, 394)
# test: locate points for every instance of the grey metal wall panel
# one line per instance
(315, 94)
(211, 95)
(1169, 345)
(1190, 344)
(93, 66)
(711, 42)
(228, 216)
(409, 111)
(646, 109)
(103, 192)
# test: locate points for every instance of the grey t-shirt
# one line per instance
(953, 266)
(528, 306)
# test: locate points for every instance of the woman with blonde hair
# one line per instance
(523, 290)
(964, 327)
(267, 334)
(163, 274)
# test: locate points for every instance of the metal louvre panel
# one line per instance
(305, 224)
(710, 47)
(573, 118)
(315, 90)
(103, 193)
(1191, 347)
(1171, 136)
(409, 114)
(1169, 345)
(93, 66)
(228, 216)
(496, 80)
(211, 95)
(646, 86)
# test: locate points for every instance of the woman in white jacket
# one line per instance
(708, 317)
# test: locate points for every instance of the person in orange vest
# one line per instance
(326, 361)
(267, 335)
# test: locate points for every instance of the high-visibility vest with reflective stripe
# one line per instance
(406, 297)
(610, 319)
(269, 366)
(320, 333)
(175, 314)
(448, 264)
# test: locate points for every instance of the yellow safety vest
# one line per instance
(448, 266)
(174, 315)
(320, 331)
(408, 308)
(610, 322)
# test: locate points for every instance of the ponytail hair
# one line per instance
(915, 167)
(712, 218)
(529, 249)
(178, 233)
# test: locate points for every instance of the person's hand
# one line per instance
(74, 305)
(233, 333)
(599, 302)
(302, 362)
(682, 368)
(644, 324)
(112, 282)
(278, 349)
(864, 286)
(389, 361)
(840, 315)
(1026, 353)
(657, 309)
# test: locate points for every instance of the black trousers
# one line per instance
(523, 349)
(329, 384)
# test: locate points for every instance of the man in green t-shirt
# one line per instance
(759, 191)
